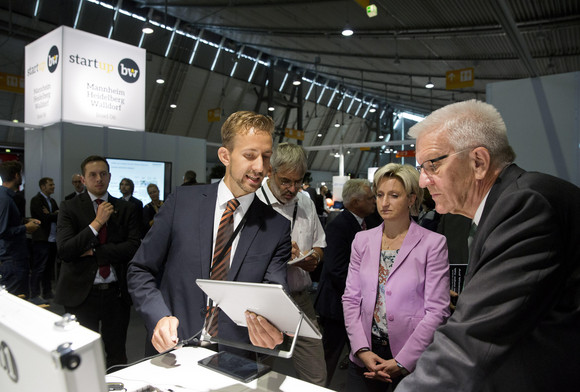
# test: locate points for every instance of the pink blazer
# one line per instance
(417, 292)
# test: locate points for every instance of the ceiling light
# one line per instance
(319, 135)
(372, 109)
(147, 28)
(429, 84)
(15, 120)
(173, 106)
(296, 82)
(337, 124)
(347, 31)
(381, 137)
(337, 155)
(160, 80)
(271, 108)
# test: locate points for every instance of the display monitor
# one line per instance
(142, 173)
(42, 351)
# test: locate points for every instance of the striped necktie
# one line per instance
(221, 258)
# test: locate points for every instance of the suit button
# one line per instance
(391, 317)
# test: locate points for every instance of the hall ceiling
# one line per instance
(384, 64)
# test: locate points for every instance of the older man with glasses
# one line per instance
(516, 325)
(282, 192)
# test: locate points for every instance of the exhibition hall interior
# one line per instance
(148, 85)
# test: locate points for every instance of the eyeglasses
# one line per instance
(429, 166)
(287, 183)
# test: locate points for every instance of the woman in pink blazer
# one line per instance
(397, 289)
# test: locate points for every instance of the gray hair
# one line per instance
(470, 124)
(287, 156)
(354, 189)
(409, 177)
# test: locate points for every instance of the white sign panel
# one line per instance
(43, 80)
(102, 81)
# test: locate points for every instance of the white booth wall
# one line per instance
(542, 116)
(57, 151)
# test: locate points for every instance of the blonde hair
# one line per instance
(407, 175)
(241, 123)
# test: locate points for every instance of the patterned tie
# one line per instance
(363, 225)
(104, 270)
(221, 265)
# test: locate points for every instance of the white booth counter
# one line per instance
(178, 371)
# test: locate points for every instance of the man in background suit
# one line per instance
(78, 185)
(97, 235)
(359, 202)
(515, 327)
(44, 208)
(178, 249)
(127, 187)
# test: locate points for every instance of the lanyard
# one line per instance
(293, 214)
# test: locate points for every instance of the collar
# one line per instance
(358, 218)
(46, 197)
(479, 211)
(126, 198)
(224, 195)
(105, 197)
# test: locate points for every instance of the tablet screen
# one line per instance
(235, 366)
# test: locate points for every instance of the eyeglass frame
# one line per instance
(429, 172)
(286, 183)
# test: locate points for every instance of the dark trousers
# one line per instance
(14, 275)
(357, 382)
(106, 312)
(42, 268)
(334, 338)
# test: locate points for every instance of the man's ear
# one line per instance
(224, 155)
(481, 161)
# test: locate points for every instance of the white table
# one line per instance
(178, 371)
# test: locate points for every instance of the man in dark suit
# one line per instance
(127, 187)
(78, 185)
(516, 324)
(44, 208)
(178, 248)
(97, 235)
(359, 202)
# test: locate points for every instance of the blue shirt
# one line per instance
(12, 231)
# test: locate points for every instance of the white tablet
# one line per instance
(268, 300)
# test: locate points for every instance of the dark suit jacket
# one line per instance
(74, 237)
(71, 195)
(46, 219)
(517, 322)
(138, 205)
(340, 233)
(177, 251)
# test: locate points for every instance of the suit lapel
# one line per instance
(411, 240)
(206, 212)
(247, 236)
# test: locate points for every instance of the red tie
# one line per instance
(104, 270)
(221, 266)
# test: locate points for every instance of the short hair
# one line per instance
(93, 158)
(353, 189)
(409, 177)
(9, 169)
(190, 175)
(131, 184)
(43, 181)
(288, 156)
(470, 124)
(241, 123)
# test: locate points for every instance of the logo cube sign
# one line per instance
(75, 76)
